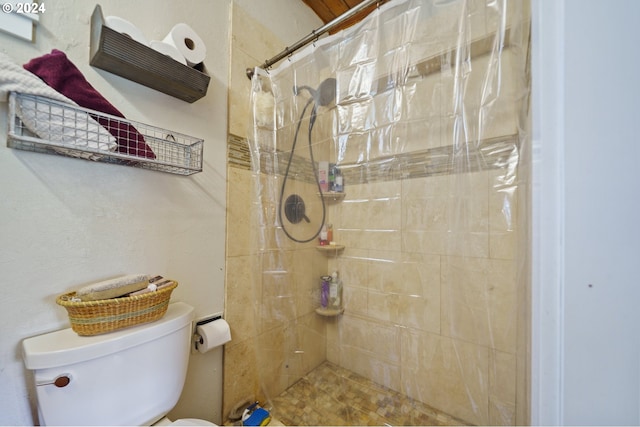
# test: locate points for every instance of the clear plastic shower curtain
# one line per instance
(407, 136)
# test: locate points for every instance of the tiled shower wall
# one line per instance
(434, 320)
(263, 339)
(434, 268)
(435, 302)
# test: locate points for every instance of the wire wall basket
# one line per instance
(48, 126)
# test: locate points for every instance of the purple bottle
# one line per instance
(324, 291)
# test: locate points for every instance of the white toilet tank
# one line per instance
(128, 377)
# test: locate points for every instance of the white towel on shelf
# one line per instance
(50, 121)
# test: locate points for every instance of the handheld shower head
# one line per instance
(324, 95)
(294, 208)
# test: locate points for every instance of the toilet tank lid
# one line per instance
(65, 347)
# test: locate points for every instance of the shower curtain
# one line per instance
(421, 110)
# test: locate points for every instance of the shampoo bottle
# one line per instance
(339, 181)
(335, 292)
(324, 291)
(332, 177)
(323, 238)
(323, 176)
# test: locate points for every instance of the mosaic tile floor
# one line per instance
(333, 396)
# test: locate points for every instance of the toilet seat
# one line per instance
(183, 422)
(192, 422)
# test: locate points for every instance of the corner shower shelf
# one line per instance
(333, 196)
(118, 54)
(46, 126)
(330, 249)
(329, 312)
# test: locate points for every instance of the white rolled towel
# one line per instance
(113, 288)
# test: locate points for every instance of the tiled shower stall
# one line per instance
(434, 265)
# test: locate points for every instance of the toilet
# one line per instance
(131, 377)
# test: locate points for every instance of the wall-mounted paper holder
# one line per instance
(125, 57)
(210, 332)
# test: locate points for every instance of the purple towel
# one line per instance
(62, 75)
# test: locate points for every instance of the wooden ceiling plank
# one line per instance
(328, 10)
(321, 9)
(353, 3)
(338, 7)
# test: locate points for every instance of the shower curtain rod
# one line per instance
(314, 35)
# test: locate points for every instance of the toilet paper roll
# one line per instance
(212, 335)
(127, 28)
(167, 49)
(188, 43)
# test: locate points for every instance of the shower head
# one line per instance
(324, 95)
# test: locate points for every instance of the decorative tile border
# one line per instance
(491, 153)
(238, 154)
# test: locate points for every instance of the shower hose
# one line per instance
(312, 120)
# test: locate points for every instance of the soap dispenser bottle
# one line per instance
(335, 292)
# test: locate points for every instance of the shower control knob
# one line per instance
(59, 381)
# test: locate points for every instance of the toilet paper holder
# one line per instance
(196, 336)
(207, 335)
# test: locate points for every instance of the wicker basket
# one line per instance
(101, 316)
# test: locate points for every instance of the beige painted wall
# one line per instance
(65, 222)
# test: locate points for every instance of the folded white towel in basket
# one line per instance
(48, 120)
(113, 288)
